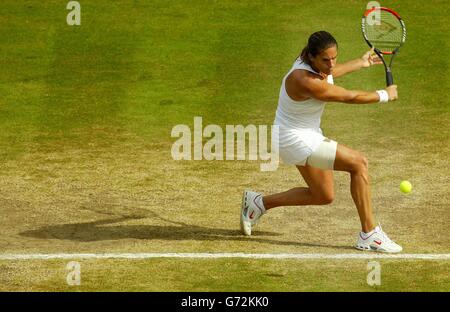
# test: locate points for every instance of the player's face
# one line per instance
(325, 61)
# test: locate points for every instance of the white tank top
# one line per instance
(299, 114)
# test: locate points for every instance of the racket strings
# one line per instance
(385, 32)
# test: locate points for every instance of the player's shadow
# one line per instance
(178, 231)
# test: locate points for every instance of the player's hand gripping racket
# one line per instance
(384, 30)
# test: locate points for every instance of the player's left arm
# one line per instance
(368, 59)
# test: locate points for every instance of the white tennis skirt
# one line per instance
(297, 145)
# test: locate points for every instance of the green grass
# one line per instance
(86, 114)
(226, 275)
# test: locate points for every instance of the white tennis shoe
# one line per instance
(378, 241)
(251, 211)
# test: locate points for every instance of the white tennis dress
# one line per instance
(299, 122)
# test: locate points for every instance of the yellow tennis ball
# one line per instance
(405, 187)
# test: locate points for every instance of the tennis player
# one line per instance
(304, 91)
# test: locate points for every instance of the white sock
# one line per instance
(260, 203)
(365, 235)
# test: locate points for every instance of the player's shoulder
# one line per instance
(305, 78)
(303, 75)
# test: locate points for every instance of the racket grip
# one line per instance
(389, 78)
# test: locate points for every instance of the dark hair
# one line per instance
(317, 42)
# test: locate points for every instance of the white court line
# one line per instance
(315, 256)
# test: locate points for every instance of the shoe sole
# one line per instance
(368, 248)
(243, 227)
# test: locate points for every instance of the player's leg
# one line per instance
(357, 165)
(320, 190)
(317, 173)
(372, 237)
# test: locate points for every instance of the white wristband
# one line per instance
(384, 96)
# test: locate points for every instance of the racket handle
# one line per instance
(389, 78)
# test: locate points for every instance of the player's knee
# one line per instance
(325, 198)
(360, 164)
(364, 168)
(365, 162)
(361, 168)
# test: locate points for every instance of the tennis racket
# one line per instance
(385, 32)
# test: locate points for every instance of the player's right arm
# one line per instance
(323, 91)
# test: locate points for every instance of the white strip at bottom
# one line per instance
(298, 256)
